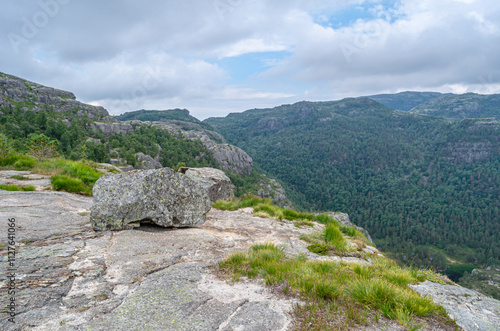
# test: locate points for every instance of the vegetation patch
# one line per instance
(266, 208)
(337, 295)
(18, 177)
(12, 187)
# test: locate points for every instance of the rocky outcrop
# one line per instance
(471, 310)
(214, 181)
(36, 97)
(227, 156)
(232, 158)
(163, 197)
(113, 128)
(271, 189)
(145, 161)
(149, 278)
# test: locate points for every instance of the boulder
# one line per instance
(145, 161)
(215, 181)
(163, 197)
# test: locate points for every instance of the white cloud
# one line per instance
(128, 54)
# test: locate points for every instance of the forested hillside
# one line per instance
(469, 105)
(426, 188)
(28, 110)
(405, 100)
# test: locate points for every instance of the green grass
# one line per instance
(265, 208)
(19, 177)
(71, 185)
(66, 175)
(337, 295)
(18, 162)
(12, 187)
(347, 230)
(70, 176)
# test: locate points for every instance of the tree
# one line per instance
(41, 147)
(5, 147)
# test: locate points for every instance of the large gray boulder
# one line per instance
(215, 181)
(162, 196)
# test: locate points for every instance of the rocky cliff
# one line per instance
(33, 96)
(227, 156)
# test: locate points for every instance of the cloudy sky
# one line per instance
(219, 56)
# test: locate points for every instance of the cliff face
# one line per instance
(228, 157)
(36, 97)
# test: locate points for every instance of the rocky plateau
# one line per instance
(69, 277)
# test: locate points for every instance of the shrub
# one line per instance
(68, 184)
(41, 147)
(24, 163)
(5, 147)
(9, 160)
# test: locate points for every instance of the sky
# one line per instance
(214, 57)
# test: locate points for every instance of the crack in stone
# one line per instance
(225, 324)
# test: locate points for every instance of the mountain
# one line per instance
(15, 91)
(405, 100)
(161, 115)
(426, 188)
(469, 105)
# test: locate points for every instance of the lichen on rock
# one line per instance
(163, 197)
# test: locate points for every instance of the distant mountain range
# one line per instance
(405, 100)
(469, 105)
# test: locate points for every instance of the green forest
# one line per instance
(426, 188)
(70, 134)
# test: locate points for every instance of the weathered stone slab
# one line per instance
(471, 310)
(162, 196)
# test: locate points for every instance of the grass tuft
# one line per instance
(71, 185)
(336, 294)
(12, 187)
